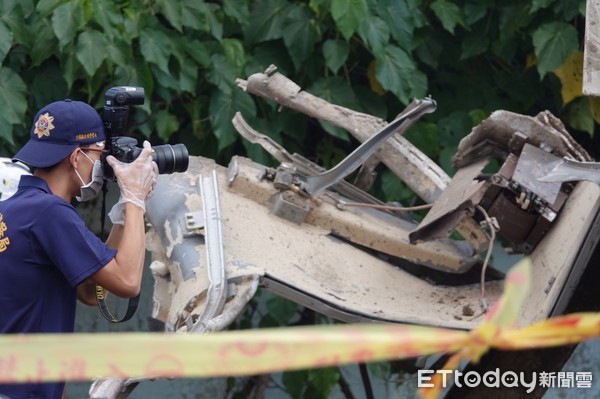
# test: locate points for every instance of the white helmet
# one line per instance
(10, 174)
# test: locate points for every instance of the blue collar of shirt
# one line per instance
(34, 182)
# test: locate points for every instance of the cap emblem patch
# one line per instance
(43, 125)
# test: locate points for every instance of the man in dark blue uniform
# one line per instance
(48, 257)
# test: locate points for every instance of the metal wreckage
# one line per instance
(307, 234)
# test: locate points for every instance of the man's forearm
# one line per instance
(132, 244)
(114, 238)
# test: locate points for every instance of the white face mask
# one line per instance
(90, 190)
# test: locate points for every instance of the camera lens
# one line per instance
(171, 158)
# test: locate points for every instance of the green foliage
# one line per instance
(469, 55)
(553, 43)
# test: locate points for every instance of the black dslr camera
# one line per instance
(169, 158)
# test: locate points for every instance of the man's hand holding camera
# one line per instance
(136, 181)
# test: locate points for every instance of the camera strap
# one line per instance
(100, 297)
(107, 314)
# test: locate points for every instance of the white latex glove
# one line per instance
(136, 181)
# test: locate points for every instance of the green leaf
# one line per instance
(45, 7)
(513, 19)
(6, 134)
(400, 20)
(203, 16)
(70, 66)
(477, 116)
(445, 160)
(281, 309)
(553, 43)
(177, 50)
(109, 17)
(335, 131)
(88, 44)
(119, 52)
(334, 90)
(189, 14)
(426, 137)
(375, 32)
(335, 53)
(47, 84)
(319, 7)
(429, 52)
(234, 53)
(45, 44)
(172, 11)
(238, 10)
(7, 6)
(137, 73)
(188, 77)
(396, 71)
(13, 100)
(453, 128)
(269, 53)
(66, 21)
(448, 13)
(393, 188)
(197, 50)
(222, 109)
(370, 102)
(295, 382)
(134, 21)
(579, 115)
(155, 46)
(473, 44)
(348, 15)
(21, 32)
(570, 8)
(6, 39)
(222, 74)
(324, 379)
(267, 21)
(165, 79)
(474, 12)
(300, 34)
(258, 154)
(166, 124)
(537, 5)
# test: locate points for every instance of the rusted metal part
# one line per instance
(466, 227)
(504, 132)
(454, 206)
(533, 164)
(523, 206)
(370, 228)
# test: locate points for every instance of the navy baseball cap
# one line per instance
(58, 129)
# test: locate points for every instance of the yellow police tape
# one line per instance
(79, 357)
